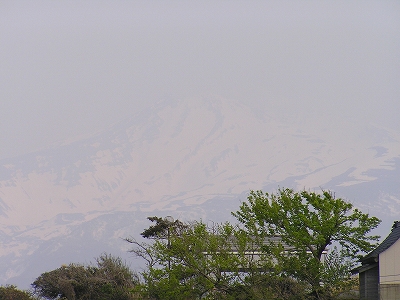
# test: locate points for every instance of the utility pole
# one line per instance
(169, 221)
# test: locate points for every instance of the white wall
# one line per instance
(389, 265)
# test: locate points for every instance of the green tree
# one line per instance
(163, 227)
(70, 282)
(191, 264)
(10, 292)
(110, 278)
(117, 281)
(201, 262)
(307, 223)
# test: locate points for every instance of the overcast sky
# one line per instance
(75, 67)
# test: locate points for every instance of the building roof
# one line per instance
(387, 243)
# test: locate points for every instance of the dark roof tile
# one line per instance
(387, 243)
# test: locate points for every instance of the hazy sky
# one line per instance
(75, 67)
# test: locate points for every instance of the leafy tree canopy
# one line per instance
(110, 279)
(201, 262)
(10, 292)
(309, 223)
(162, 227)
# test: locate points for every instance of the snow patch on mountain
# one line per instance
(175, 158)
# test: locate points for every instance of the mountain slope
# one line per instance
(183, 158)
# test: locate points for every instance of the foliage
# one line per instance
(307, 224)
(162, 228)
(200, 262)
(335, 273)
(10, 292)
(110, 279)
(278, 251)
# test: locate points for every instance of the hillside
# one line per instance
(191, 159)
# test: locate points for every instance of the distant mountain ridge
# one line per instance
(178, 157)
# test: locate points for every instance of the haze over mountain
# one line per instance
(308, 97)
(193, 158)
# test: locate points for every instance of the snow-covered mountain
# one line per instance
(191, 159)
